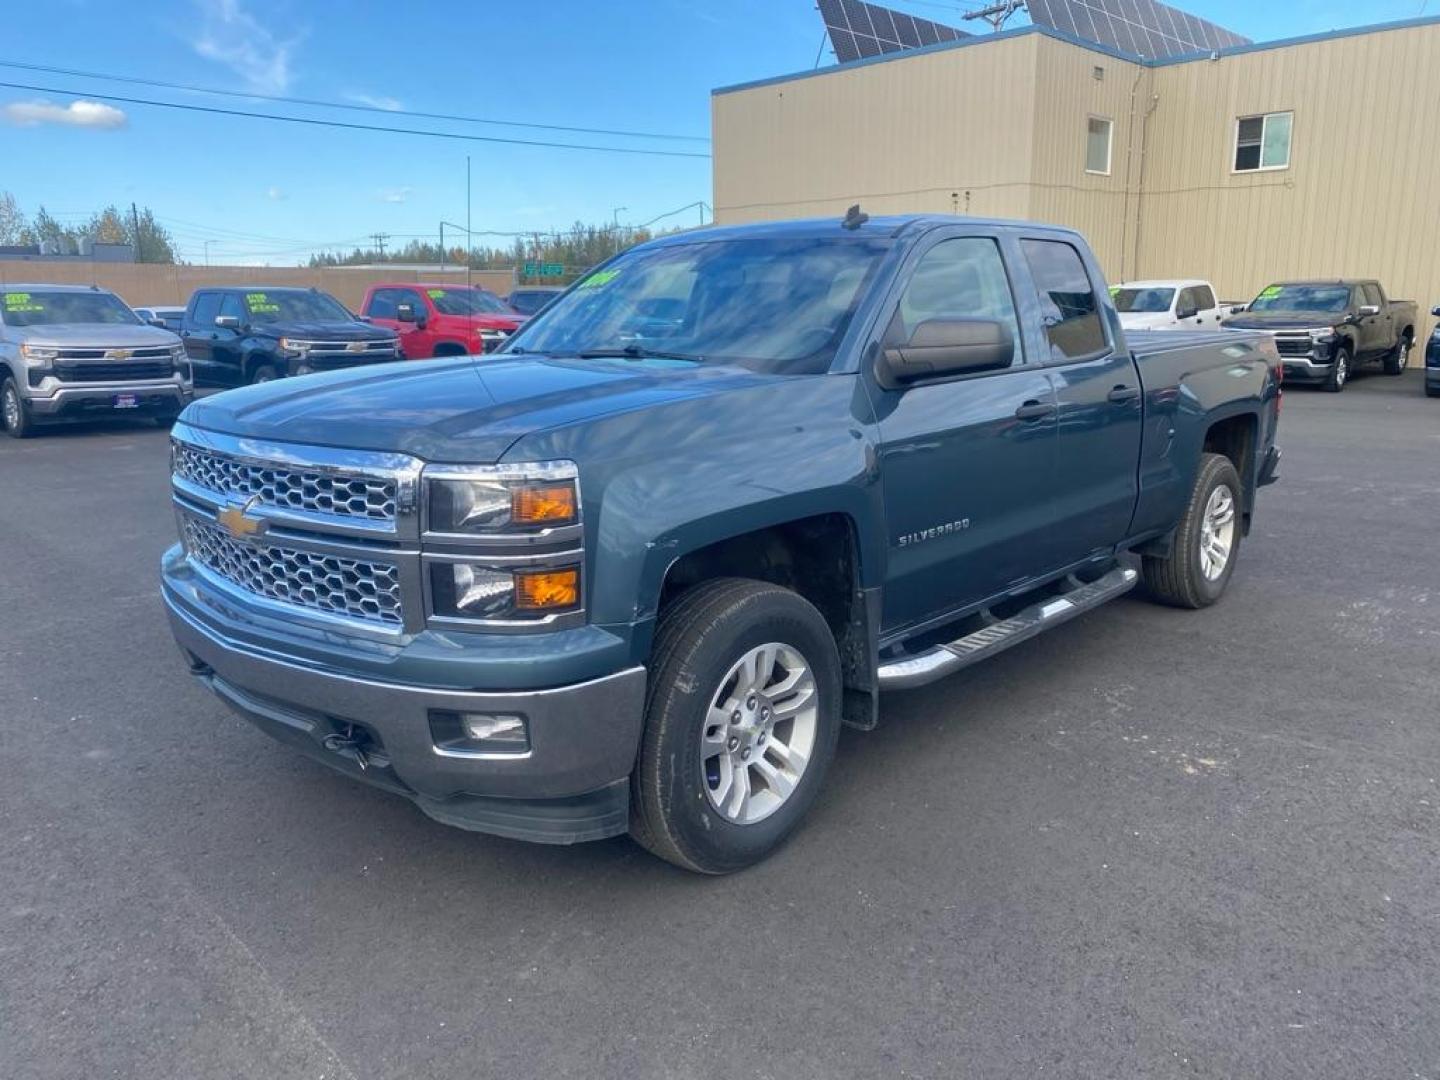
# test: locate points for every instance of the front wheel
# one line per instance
(741, 722)
(262, 374)
(13, 412)
(1202, 554)
(1339, 371)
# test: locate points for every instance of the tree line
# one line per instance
(576, 249)
(151, 240)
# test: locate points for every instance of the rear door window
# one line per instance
(1068, 305)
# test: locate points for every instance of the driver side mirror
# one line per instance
(227, 322)
(1369, 309)
(405, 312)
(154, 321)
(943, 347)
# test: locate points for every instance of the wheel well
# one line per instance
(256, 360)
(1408, 334)
(449, 348)
(816, 557)
(1235, 438)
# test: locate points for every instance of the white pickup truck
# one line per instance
(1168, 305)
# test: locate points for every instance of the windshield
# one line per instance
(295, 307)
(531, 301)
(1142, 300)
(1302, 298)
(467, 302)
(53, 308)
(773, 305)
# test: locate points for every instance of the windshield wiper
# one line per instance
(634, 352)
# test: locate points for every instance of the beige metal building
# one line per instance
(1310, 157)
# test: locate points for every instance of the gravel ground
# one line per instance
(1149, 844)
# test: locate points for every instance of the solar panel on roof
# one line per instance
(859, 30)
(1140, 27)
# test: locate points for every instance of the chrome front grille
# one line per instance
(1293, 345)
(371, 498)
(147, 352)
(364, 589)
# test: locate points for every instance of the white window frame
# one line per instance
(1264, 119)
(1109, 144)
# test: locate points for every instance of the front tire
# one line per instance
(741, 722)
(14, 414)
(263, 373)
(1339, 370)
(1203, 551)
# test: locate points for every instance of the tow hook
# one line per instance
(347, 744)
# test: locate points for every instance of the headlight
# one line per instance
(38, 354)
(465, 590)
(1327, 334)
(290, 345)
(501, 498)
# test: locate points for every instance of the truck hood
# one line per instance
(324, 331)
(1282, 320)
(465, 410)
(94, 336)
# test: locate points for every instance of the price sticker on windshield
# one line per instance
(1269, 292)
(20, 301)
(259, 304)
(435, 294)
(599, 280)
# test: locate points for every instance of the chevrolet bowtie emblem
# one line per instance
(355, 346)
(234, 521)
(120, 354)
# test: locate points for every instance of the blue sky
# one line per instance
(266, 192)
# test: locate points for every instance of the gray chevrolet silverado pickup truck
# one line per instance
(636, 570)
(76, 352)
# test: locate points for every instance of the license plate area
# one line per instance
(125, 401)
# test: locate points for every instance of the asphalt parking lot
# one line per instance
(1152, 843)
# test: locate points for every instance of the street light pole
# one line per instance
(207, 254)
(615, 218)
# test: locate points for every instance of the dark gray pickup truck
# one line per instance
(635, 571)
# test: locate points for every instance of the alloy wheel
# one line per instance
(759, 733)
(12, 408)
(1217, 533)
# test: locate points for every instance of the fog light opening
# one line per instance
(480, 732)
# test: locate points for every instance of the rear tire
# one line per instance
(1398, 358)
(1194, 574)
(694, 801)
(1340, 370)
(14, 413)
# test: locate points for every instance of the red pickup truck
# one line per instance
(441, 320)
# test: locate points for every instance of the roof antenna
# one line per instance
(854, 218)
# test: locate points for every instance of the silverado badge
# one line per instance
(234, 521)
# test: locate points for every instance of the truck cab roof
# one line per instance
(886, 226)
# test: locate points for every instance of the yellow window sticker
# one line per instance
(1269, 292)
(259, 304)
(21, 302)
(435, 294)
(598, 280)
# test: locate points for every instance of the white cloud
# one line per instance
(396, 195)
(374, 101)
(82, 114)
(230, 35)
(274, 194)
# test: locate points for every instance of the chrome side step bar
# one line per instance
(911, 671)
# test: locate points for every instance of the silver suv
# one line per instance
(75, 352)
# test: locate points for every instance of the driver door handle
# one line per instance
(1122, 395)
(1034, 410)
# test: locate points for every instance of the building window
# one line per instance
(1263, 142)
(1097, 146)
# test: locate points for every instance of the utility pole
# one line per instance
(207, 253)
(442, 251)
(135, 219)
(996, 14)
(380, 239)
(469, 237)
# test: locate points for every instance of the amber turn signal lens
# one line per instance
(543, 504)
(547, 590)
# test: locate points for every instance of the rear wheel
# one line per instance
(1339, 371)
(1398, 359)
(1202, 553)
(14, 413)
(741, 722)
